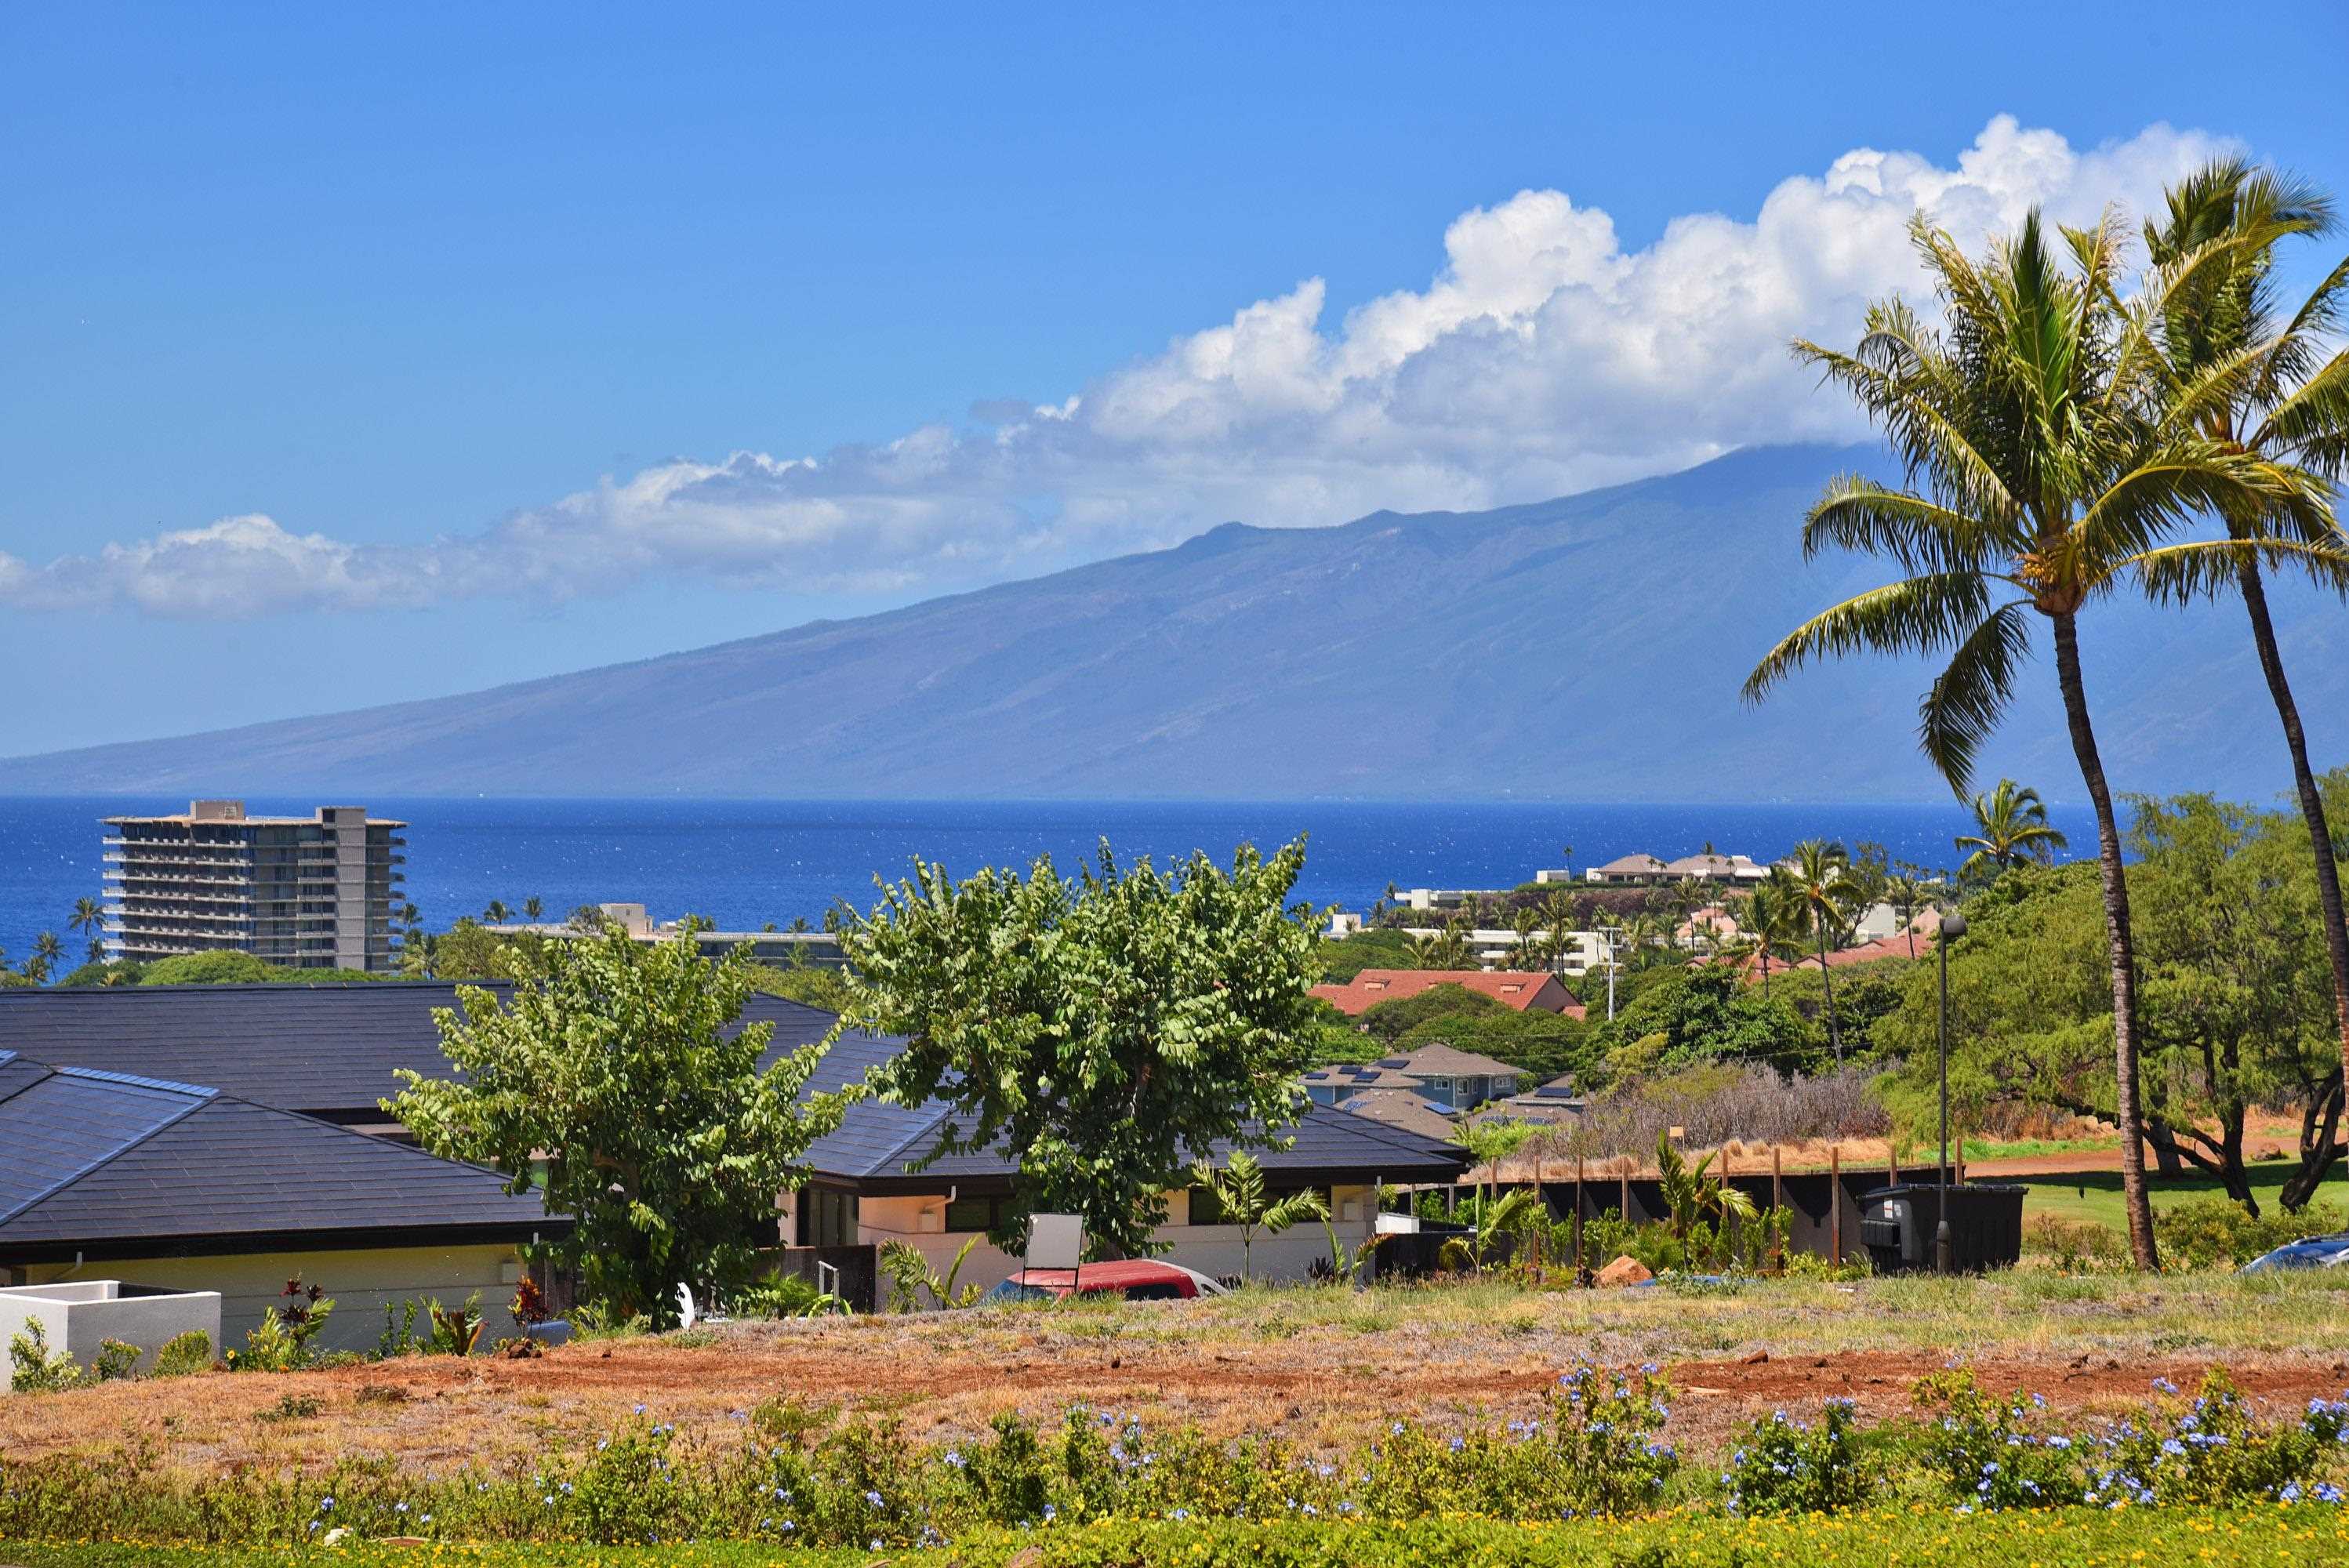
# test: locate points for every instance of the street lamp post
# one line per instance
(1953, 926)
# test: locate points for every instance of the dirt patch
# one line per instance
(1322, 1385)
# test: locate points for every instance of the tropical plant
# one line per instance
(532, 907)
(1346, 1267)
(909, 1274)
(1910, 896)
(1240, 1197)
(2010, 827)
(1774, 917)
(1107, 1029)
(496, 913)
(2034, 484)
(453, 1331)
(1444, 949)
(1491, 1140)
(1504, 1216)
(558, 1075)
(1694, 1197)
(2248, 376)
(89, 917)
(1821, 871)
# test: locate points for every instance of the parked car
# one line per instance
(2315, 1253)
(1135, 1279)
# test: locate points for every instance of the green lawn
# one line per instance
(2095, 1196)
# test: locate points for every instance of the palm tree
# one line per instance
(1910, 897)
(48, 953)
(2011, 827)
(496, 913)
(2249, 378)
(89, 916)
(2043, 486)
(1774, 912)
(1446, 949)
(1241, 1200)
(1531, 948)
(1821, 872)
(531, 908)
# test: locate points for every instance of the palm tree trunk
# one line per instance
(2119, 941)
(2312, 803)
(1834, 1038)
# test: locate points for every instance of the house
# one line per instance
(1707, 929)
(328, 1050)
(865, 1191)
(1626, 871)
(1457, 1080)
(1495, 947)
(1558, 1102)
(1518, 990)
(1339, 1083)
(180, 1186)
(1406, 1108)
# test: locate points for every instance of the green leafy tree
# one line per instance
(621, 1066)
(1444, 949)
(1240, 1198)
(2249, 375)
(1107, 1030)
(2036, 482)
(2009, 828)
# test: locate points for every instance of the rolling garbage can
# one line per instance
(1897, 1226)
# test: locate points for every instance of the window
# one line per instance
(826, 1218)
(973, 1213)
(1165, 1291)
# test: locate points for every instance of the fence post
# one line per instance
(1835, 1204)
(1578, 1267)
(1778, 1202)
(1625, 1171)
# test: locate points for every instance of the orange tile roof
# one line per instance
(1517, 989)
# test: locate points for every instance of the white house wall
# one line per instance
(361, 1281)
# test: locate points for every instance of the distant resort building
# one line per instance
(812, 949)
(1648, 871)
(303, 893)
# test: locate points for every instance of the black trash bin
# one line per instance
(1897, 1226)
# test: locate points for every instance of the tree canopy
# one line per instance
(621, 1063)
(1106, 1030)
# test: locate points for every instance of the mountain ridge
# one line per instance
(1585, 647)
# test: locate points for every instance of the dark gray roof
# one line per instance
(326, 1050)
(878, 1143)
(106, 1164)
(329, 1049)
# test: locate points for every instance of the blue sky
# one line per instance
(401, 292)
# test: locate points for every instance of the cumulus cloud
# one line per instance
(1544, 357)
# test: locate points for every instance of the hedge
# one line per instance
(2285, 1534)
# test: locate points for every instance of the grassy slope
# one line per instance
(2095, 1196)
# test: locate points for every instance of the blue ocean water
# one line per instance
(747, 862)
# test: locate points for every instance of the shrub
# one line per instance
(1785, 1466)
(183, 1353)
(2212, 1450)
(1595, 1452)
(2205, 1233)
(33, 1370)
(1991, 1453)
(398, 1336)
(2075, 1246)
(116, 1361)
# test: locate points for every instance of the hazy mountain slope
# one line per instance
(1584, 648)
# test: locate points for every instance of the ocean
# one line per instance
(746, 862)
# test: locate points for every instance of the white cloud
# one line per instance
(1543, 358)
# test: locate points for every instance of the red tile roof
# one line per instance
(1519, 989)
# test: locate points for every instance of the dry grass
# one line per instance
(1322, 1368)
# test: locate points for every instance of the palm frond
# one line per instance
(2313, 421)
(1921, 535)
(2206, 569)
(1969, 697)
(1920, 614)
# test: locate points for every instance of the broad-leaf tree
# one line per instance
(1105, 1031)
(622, 1065)
(2249, 375)
(2009, 828)
(2035, 485)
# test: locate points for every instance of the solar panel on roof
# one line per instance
(1395, 1061)
(1556, 1091)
